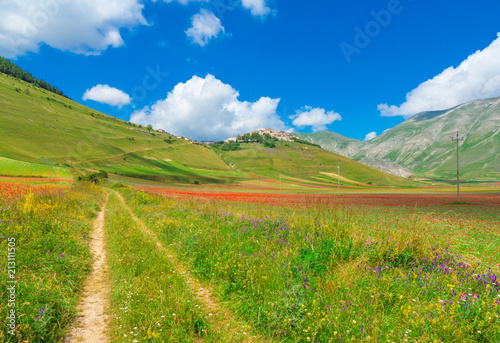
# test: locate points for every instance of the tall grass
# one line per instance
(52, 259)
(316, 273)
(150, 301)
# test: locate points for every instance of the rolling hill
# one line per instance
(66, 138)
(294, 160)
(422, 144)
(46, 134)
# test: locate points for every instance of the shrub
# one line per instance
(95, 178)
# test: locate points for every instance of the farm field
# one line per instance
(188, 265)
(10, 167)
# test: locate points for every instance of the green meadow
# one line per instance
(10, 167)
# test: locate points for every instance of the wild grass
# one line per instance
(151, 301)
(320, 273)
(52, 259)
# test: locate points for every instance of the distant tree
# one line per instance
(231, 146)
(269, 144)
(95, 178)
(150, 127)
(9, 68)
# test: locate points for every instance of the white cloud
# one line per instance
(257, 7)
(204, 26)
(107, 95)
(185, 2)
(317, 118)
(81, 26)
(370, 135)
(208, 109)
(476, 77)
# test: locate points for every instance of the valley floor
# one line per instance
(184, 265)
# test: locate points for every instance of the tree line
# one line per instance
(10, 68)
(266, 139)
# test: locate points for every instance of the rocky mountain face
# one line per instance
(422, 144)
(333, 142)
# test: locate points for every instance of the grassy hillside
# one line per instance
(423, 142)
(9, 167)
(44, 134)
(294, 160)
(57, 135)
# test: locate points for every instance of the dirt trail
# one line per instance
(219, 316)
(126, 153)
(91, 323)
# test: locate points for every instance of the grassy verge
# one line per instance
(50, 230)
(326, 274)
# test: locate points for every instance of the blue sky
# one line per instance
(213, 69)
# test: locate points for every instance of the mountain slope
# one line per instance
(422, 144)
(46, 129)
(334, 142)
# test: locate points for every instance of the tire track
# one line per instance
(220, 317)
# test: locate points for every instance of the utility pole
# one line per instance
(458, 170)
(338, 177)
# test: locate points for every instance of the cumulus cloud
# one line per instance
(476, 77)
(370, 135)
(208, 109)
(107, 95)
(185, 2)
(204, 26)
(317, 118)
(81, 26)
(256, 7)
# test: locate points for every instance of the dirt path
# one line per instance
(126, 153)
(91, 322)
(220, 317)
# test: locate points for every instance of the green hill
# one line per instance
(295, 160)
(46, 134)
(60, 137)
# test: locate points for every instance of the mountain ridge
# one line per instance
(422, 143)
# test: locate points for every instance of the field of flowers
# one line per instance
(255, 267)
(355, 268)
(46, 227)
